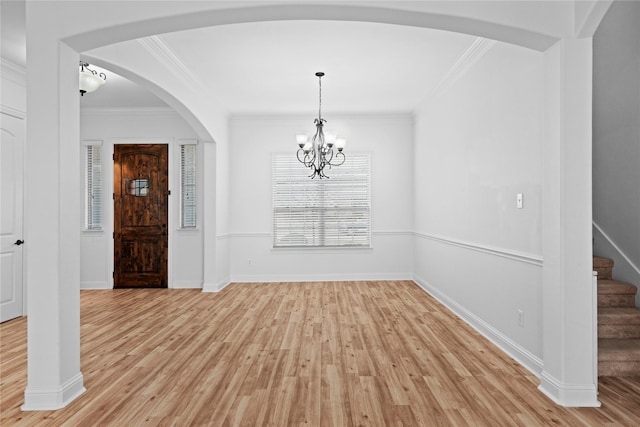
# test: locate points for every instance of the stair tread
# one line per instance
(609, 286)
(601, 262)
(619, 350)
(619, 315)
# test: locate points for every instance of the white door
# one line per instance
(11, 178)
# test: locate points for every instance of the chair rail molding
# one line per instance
(536, 260)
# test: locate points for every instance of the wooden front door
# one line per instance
(140, 196)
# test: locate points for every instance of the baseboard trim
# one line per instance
(521, 355)
(216, 287)
(569, 395)
(244, 278)
(187, 285)
(97, 285)
(53, 398)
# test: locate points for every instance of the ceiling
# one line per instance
(269, 67)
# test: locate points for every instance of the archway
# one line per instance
(54, 368)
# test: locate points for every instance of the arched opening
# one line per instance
(558, 83)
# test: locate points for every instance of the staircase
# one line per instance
(618, 324)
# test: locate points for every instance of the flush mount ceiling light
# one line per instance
(90, 80)
(317, 153)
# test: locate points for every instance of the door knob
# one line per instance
(19, 242)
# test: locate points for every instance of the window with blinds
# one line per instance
(188, 186)
(333, 212)
(93, 196)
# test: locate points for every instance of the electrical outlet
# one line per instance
(519, 200)
(520, 318)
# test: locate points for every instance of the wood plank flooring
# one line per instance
(317, 354)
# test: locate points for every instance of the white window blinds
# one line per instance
(93, 199)
(188, 186)
(321, 213)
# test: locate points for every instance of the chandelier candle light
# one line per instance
(317, 153)
(90, 80)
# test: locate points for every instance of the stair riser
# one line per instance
(618, 324)
(604, 272)
(618, 331)
(616, 300)
(619, 369)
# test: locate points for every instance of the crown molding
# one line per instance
(163, 53)
(13, 112)
(478, 48)
(13, 72)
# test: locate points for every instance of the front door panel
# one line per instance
(140, 215)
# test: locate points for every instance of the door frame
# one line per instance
(109, 210)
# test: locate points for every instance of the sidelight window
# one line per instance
(188, 186)
(93, 187)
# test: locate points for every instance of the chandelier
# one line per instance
(90, 80)
(318, 152)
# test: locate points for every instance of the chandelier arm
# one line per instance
(315, 172)
(300, 150)
(329, 158)
(322, 175)
(340, 153)
(308, 160)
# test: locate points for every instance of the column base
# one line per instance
(215, 287)
(53, 398)
(569, 395)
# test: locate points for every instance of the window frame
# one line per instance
(93, 217)
(188, 209)
(353, 196)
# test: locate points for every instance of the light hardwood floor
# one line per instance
(318, 354)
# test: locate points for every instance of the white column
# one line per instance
(209, 221)
(52, 223)
(567, 312)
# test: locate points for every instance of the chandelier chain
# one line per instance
(320, 97)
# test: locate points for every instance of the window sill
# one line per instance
(188, 230)
(93, 232)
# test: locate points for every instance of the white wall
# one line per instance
(389, 140)
(140, 127)
(616, 140)
(478, 144)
